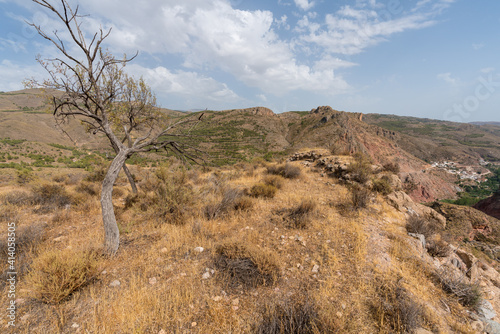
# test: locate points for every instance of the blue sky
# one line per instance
(425, 58)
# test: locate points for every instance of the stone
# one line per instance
(477, 326)
(422, 331)
(315, 269)
(75, 325)
(162, 331)
(217, 298)
(153, 280)
(199, 249)
(206, 275)
(420, 237)
(471, 263)
(486, 310)
(492, 327)
(115, 283)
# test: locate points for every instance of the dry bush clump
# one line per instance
(468, 294)
(382, 186)
(246, 264)
(50, 197)
(438, 248)
(299, 216)
(17, 198)
(73, 179)
(97, 174)
(168, 197)
(292, 316)
(56, 274)
(263, 190)
(392, 167)
(395, 309)
(420, 225)
(360, 170)
(274, 180)
(286, 170)
(230, 201)
(360, 197)
(88, 188)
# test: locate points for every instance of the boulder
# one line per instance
(402, 202)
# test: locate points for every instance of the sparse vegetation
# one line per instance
(286, 170)
(468, 294)
(263, 190)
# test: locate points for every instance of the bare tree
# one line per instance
(106, 100)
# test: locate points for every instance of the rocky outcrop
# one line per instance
(261, 111)
(322, 110)
(402, 202)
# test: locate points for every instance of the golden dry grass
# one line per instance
(167, 284)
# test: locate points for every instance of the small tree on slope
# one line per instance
(106, 100)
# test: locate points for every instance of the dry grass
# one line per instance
(263, 190)
(313, 273)
(55, 275)
(241, 263)
(286, 170)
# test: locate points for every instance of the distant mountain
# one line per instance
(486, 123)
(236, 135)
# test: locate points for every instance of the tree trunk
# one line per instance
(111, 232)
(130, 179)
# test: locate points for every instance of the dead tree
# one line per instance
(98, 92)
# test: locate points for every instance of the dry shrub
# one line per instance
(274, 180)
(286, 170)
(392, 167)
(468, 294)
(438, 248)
(293, 316)
(382, 186)
(299, 216)
(50, 197)
(360, 197)
(56, 274)
(227, 204)
(17, 198)
(59, 178)
(263, 190)
(243, 203)
(87, 188)
(418, 224)
(360, 170)
(97, 174)
(395, 309)
(118, 192)
(246, 264)
(171, 198)
(61, 216)
(73, 179)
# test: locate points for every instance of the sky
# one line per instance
(436, 59)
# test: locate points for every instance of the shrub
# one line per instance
(228, 203)
(50, 196)
(468, 294)
(56, 274)
(24, 176)
(274, 180)
(417, 224)
(263, 190)
(438, 248)
(87, 188)
(246, 264)
(392, 167)
(286, 170)
(360, 197)
(97, 174)
(382, 186)
(300, 215)
(297, 316)
(394, 307)
(17, 198)
(360, 170)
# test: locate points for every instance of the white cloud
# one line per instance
(448, 78)
(304, 4)
(190, 84)
(487, 70)
(478, 46)
(262, 97)
(13, 74)
(351, 30)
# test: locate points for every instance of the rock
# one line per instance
(422, 331)
(486, 310)
(153, 280)
(217, 298)
(420, 237)
(236, 301)
(402, 202)
(470, 262)
(199, 249)
(477, 326)
(206, 275)
(115, 283)
(162, 331)
(75, 325)
(315, 269)
(164, 250)
(194, 323)
(492, 327)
